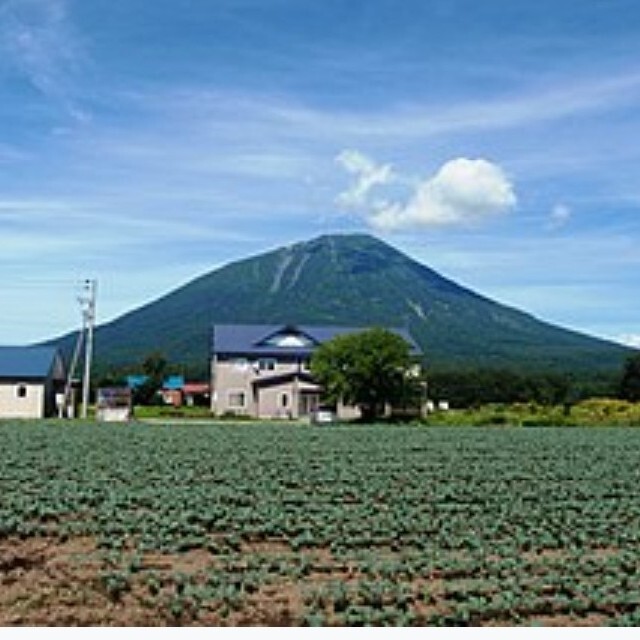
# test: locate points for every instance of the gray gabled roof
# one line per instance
(27, 363)
(253, 340)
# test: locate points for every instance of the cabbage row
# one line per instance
(335, 525)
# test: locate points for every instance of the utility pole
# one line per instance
(88, 302)
(69, 397)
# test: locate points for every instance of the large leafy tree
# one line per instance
(630, 382)
(154, 367)
(369, 369)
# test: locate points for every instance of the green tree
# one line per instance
(154, 367)
(369, 369)
(630, 382)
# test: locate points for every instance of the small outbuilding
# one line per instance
(114, 404)
(30, 378)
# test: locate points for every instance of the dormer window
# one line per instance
(289, 340)
(292, 341)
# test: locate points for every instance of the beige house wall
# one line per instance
(276, 402)
(234, 379)
(285, 400)
(229, 380)
(30, 405)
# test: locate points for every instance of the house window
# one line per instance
(267, 364)
(21, 391)
(237, 400)
(240, 364)
(284, 400)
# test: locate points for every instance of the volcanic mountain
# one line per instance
(351, 280)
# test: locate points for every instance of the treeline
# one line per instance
(156, 368)
(473, 388)
(154, 364)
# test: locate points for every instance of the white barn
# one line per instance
(30, 377)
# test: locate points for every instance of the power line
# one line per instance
(17, 282)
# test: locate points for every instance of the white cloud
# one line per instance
(368, 175)
(558, 217)
(463, 192)
(630, 339)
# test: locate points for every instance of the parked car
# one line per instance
(323, 415)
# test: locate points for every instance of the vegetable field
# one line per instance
(291, 525)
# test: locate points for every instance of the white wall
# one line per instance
(233, 376)
(29, 406)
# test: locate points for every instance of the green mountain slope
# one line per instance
(350, 280)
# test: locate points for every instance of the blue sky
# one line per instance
(145, 143)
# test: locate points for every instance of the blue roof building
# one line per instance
(30, 377)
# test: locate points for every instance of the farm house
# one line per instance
(30, 378)
(262, 371)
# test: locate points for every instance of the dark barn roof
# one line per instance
(27, 363)
(261, 340)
